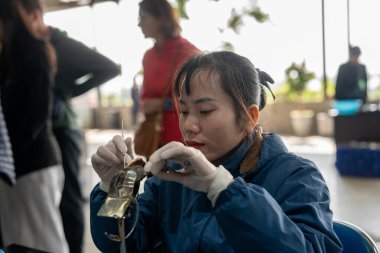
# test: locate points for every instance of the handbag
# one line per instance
(148, 135)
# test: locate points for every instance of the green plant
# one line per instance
(297, 78)
(374, 94)
(235, 22)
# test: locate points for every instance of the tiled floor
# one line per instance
(356, 200)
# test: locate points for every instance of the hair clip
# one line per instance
(264, 79)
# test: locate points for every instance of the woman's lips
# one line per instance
(194, 144)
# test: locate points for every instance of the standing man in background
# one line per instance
(351, 82)
(75, 62)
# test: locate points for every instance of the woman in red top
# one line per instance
(159, 22)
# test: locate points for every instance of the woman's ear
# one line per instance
(253, 111)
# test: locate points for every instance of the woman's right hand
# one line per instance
(109, 158)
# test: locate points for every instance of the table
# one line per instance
(362, 158)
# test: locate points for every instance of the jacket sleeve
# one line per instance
(100, 225)
(294, 217)
(76, 60)
(146, 233)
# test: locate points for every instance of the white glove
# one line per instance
(197, 173)
(108, 159)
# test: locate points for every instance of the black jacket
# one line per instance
(351, 82)
(76, 60)
(26, 97)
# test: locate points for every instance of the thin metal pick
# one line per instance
(122, 136)
(120, 221)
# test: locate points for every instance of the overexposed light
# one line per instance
(293, 34)
(314, 85)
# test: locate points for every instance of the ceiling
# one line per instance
(55, 5)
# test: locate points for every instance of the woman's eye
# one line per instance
(184, 113)
(205, 112)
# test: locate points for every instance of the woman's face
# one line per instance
(207, 118)
(150, 26)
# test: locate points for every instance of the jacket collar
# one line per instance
(232, 162)
(271, 146)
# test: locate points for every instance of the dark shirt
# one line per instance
(351, 82)
(27, 103)
(76, 60)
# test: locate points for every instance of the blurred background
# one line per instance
(277, 35)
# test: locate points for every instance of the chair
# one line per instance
(353, 238)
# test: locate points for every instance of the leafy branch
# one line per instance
(235, 21)
(297, 78)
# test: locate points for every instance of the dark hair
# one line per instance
(161, 9)
(21, 52)
(355, 51)
(30, 5)
(6, 17)
(237, 75)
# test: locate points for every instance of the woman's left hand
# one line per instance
(198, 173)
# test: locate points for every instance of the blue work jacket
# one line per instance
(282, 205)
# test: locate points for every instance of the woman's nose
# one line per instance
(192, 125)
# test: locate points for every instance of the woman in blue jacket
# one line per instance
(239, 190)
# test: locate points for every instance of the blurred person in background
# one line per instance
(74, 62)
(351, 81)
(29, 212)
(158, 20)
(135, 95)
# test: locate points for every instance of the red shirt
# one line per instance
(158, 71)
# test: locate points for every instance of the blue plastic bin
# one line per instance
(347, 106)
(361, 162)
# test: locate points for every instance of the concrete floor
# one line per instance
(356, 200)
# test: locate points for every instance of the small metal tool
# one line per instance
(122, 195)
